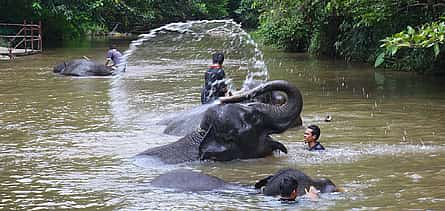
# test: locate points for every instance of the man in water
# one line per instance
(311, 136)
(289, 192)
(113, 57)
(214, 86)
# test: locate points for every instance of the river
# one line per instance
(68, 143)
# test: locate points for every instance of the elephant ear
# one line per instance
(226, 126)
(213, 151)
(209, 149)
(64, 67)
(205, 146)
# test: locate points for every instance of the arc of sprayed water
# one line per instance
(228, 26)
(238, 39)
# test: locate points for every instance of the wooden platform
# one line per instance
(18, 51)
(26, 39)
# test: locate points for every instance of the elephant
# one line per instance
(185, 122)
(188, 180)
(271, 184)
(232, 130)
(83, 67)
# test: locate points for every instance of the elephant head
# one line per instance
(271, 185)
(234, 130)
(59, 68)
(242, 130)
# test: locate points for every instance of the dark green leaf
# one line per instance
(380, 59)
(436, 50)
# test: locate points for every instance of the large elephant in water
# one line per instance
(185, 122)
(82, 67)
(232, 130)
(271, 185)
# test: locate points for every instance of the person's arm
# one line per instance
(108, 59)
(220, 74)
(312, 193)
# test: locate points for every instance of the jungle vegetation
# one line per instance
(397, 34)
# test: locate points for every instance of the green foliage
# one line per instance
(365, 23)
(214, 8)
(349, 28)
(353, 29)
(64, 19)
(247, 14)
(413, 49)
(286, 33)
(298, 25)
(283, 24)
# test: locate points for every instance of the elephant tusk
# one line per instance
(235, 98)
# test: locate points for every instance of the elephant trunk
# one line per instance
(285, 115)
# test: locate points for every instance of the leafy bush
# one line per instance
(247, 13)
(283, 24)
(349, 28)
(413, 49)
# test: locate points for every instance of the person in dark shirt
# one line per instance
(311, 136)
(214, 86)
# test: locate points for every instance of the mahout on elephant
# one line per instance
(185, 122)
(82, 67)
(271, 185)
(233, 130)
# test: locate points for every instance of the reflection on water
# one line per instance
(69, 143)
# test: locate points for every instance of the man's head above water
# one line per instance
(288, 189)
(312, 133)
(218, 58)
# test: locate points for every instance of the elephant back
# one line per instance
(82, 67)
(187, 180)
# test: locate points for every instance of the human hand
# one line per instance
(312, 193)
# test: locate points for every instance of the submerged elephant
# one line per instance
(186, 122)
(187, 180)
(82, 67)
(271, 184)
(232, 130)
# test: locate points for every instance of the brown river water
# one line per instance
(69, 143)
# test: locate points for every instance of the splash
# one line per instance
(177, 51)
(192, 43)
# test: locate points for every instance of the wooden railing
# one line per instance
(26, 38)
